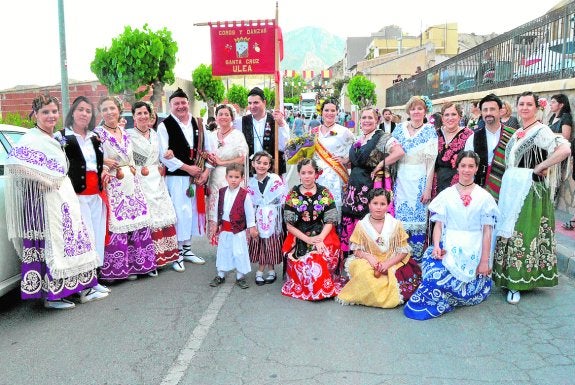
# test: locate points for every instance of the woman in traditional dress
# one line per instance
(332, 152)
(525, 250)
(146, 149)
(382, 273)
(412, 191)
(130, 250)
(456, 269)
(86, 160)
(267, 192)
(373, 152)
(451, 140)
(43, 216)
(312, 245)
(226, 145)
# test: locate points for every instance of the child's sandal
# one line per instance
(569, 225)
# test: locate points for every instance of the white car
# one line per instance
(9, 261)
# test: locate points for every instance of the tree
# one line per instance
(137, 58)
(338, 85)
(270, 97)
(209, 89)
(238, 95)
(361, 91)
(293, 87)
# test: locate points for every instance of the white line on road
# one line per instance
(184, 359)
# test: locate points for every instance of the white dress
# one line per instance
(233, 145)
(146, 156)
(338, 145)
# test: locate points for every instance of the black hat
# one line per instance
(179, 93)
(256, 91)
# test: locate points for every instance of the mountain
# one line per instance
(311, 48)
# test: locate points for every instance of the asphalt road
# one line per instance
(176, 329)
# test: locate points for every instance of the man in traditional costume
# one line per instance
(489, 143)
(185, 175)
(258, 128)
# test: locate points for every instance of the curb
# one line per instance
(565, 261)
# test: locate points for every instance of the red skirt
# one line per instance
(311, 277)
(165, 245)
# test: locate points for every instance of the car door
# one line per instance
(9, 261)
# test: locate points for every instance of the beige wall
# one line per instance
(383, 74)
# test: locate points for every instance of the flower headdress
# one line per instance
(427, 101)
(542, 102)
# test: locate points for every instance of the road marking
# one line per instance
(184, 359)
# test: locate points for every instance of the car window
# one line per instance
(8, 139)
(13, 137)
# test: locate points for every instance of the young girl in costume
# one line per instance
(267, 191)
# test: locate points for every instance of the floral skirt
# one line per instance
(38, 283)
(440, 292)
(129, 253)
(165, 245)
(311, 277)
(527, 259)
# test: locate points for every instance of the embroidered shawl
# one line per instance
(268, 204)
(41, 204)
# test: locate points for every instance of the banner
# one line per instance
(289, 74)
(307, 74)
(243, 47)
(326, 74)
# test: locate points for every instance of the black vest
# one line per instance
(178, 143)
(77, 170)
(268, 140)
(480, 147)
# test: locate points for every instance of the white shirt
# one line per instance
(258, 130)
(164, 139)
(386, 127)
(492, 141)
(87, 149)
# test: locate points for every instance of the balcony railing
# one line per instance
(538, 51)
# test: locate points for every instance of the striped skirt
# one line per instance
(266, 251)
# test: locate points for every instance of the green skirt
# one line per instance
(527, 259)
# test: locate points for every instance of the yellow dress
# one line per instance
(363, 288)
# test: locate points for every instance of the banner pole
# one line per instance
(277, 92)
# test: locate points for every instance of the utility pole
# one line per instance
(63, 60)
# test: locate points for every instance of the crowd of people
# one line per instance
(402, 213)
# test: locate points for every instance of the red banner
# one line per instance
(243, 47)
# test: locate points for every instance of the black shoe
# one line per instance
(271, 277)
(217, 281)
(260, 280)
(242, 283)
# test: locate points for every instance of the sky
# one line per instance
(30, 42)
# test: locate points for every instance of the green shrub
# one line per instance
(15, 119)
